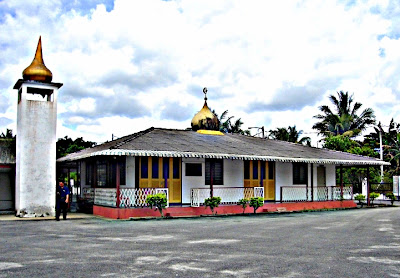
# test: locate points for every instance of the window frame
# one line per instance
(300, 173)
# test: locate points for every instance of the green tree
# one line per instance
(353, 175)
(344, 117)
(7, 135)
(227, 125)
(290, 134)
(66, 145)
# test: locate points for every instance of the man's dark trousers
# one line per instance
(62, 205)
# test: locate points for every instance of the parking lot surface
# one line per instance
(348, 243)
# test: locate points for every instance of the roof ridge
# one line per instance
(132, 137)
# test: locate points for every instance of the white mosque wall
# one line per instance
(284, 176)
(233, 176)
(189, 182)
(130, 172)
(330, 174)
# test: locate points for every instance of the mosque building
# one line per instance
(187, 165)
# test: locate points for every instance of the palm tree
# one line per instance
(7, 135)
(344, 118)
(290, 134)
(227, 126)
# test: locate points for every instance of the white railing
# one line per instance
(105, 197)
(294, 194)
(322, 193)
(347, 193)
(136, 197)
(128, 197)
(228, 195)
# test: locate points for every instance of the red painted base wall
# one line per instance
(126, 213)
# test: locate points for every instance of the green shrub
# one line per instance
(391, 196)
(373, 196)
(360, 198)
(243, 203)
(256, 202)
(158, 200)
(212, 202)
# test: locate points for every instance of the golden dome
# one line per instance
(205, 119)
(37, 70)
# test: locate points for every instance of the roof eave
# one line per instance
(121, 152)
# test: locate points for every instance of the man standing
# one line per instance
(62, 200)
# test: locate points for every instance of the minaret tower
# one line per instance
(35, 182)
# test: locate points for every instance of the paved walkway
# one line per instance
(345, 243)
(71, 215)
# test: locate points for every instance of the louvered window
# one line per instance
(216, 168)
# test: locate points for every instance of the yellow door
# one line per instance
(269, 181)
(174, 183)
(158, 172)
(254, 172)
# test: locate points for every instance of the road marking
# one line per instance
(214, 241)
(187, 267)
(370, 260)
(6, 265)
(138, 238)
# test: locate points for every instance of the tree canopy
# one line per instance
(227, 125)
(290, 134)
(66, 145)
(344, 117)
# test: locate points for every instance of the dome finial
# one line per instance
(205, 93)
(205, 119)
(37, 70)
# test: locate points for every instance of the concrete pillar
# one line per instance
(36, 148)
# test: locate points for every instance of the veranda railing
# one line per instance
(128, 197)
(323, 193)
(228, 195)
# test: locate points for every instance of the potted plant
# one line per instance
(360, 198)
(158, 200)
(373, 196)
(243, 203)
(212, 202)
(391, 196)
(256, 202)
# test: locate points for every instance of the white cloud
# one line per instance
(127, 66)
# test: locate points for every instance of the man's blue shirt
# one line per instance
(64, 191)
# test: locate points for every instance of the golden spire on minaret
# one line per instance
(37, 71)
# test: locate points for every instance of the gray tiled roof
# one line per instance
(187, 143)
(7, 151)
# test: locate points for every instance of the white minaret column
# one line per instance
(35, 182)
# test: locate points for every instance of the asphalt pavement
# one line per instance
(345, 243)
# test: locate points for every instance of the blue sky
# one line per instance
(128, 65)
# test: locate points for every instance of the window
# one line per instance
(193, 169)
(271, 166)
(175, 168)
(255, 170)
(113, 170)
(262, 176)
(246, 169)
(101, 173)
(144, 171)
(154, 167)
(107, 172)
(166, 167)
(214, 168)
(300, 173)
